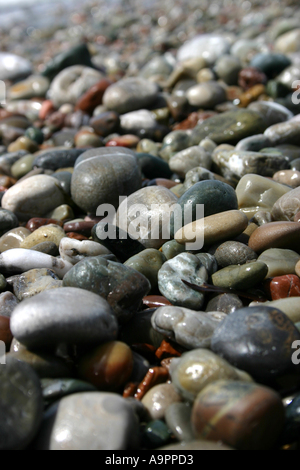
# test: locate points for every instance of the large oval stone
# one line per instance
(287, 206)
(102, 175)
(64, 315)
(275, 235)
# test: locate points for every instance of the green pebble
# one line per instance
(172, 249)
(35, 134)
(148, 263)
(156, 434)
(241, 277)
(22, 166)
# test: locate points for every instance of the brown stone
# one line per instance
(46, 109)
(276, 235)
(93, 97)
(37, 222)
(251, 95)
(167, 350)
(282, 287)
(289, 177)
(76, 236)
(155, 301)
(105, 123)
(5, 333)
(128, 141)
(7, 182)
(169, 184)
(155, 376)
(251, 76)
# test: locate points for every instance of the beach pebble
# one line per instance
(178, 419)
(67, 315)
(159, 398)
(287, 206)
(185, 160)
(225, 303)
(51, 233)
(280, 261)
(130, 94)
(275, 235)
(32, 87)
(234, 253)
(283, 287)
(13, 238)
(288, 177)
(13, 67)
(74, 251)
(206, 95)
(208, 46)
(148, 263)
(8, 221)
(242, 277)
(33, 282)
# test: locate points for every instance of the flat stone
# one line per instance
(198, 368)
(275, 235)
(234, 253)
(33, 197)
(122, 286)
(272, 113)
(280, 261)
(287, 206)
(186, 327)
(107, 422)
(33, 282)
(227, 403)
(242, 277)
(57, 158)
(246, 332)
(185, 160)
(21, 405)
(159, 398)
(188, 267)
(56, 316)
(130, 94)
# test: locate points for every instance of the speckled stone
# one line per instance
(275, 235)
(246, 332)
(33, 282)
(234, 253)
(280, 261)
(188, 267)
(106, 420)
(130, 94)
(148, 263)
(287, 206)
(65, 315)
(33, 197)
(198, 368)
(225, 303)
(159, 398)
(242, 415)
(116, 168)
(242, 277)
(186, 327)
(21, 405)
(51, 233)
(185, 160)
(122, 286)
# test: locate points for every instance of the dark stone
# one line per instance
(8, 221)
(106, 123)
(55, 159)
(153, 167)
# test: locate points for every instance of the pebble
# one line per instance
(159, 398)
(178, 419)
(244, 416)
(75, 251)
(51, 233)
(57, 315)
(280, 261)
(7, 304)
(198, 368)
(234, 253)
(185, 160)
(45, 365)
(286, 207)
(130, 94)
(33, 282)
(289, 306)
(186, 327)
(208, 46)
(225, 303)
(289, 177)
(34, 86)
(148, 263)
(55, 389)
(242, 336)
(13, 238)
(283, 287)
(242, 277)
(275, 235)
(206, 95)
(13, 67)
(56, 159)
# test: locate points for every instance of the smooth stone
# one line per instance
(141, 119)
(33, 197)
(209, 262)
(242, 415)
(289, 306)
(227, 68)
(107, 422)
(196, 175)
(172, 249)
(55, 159)
(8, 302)
(255, 192)
(284, 133)
(8, 159)
(188, 267)
(116, 168)
(217, 228)
(234, 253)
(65, 178)
(35, 134)
(242, 277)
(122, 286)
(127, 141)
(21, 405)
(291, 430)
(297, 268)
(280, 261)
(108, 367)
(49, 248)
(186, 327)
(130, 94)
(229, 127)
(198, 368)
(272, 64)
(54, 389)
(173, 143)
(8, 221)
(71, 83)
(51, 233)
(13, 66)
(158, 66)
(61, 213)
(287, 206)
(158, 203)
(34, 86)
(57, 316)
(178, 419)
(159, 398)
(283, 287)
(37, 222)
(23, 143)
(148, 263)
(225, 303)
(105, 123)
(153, 167)
(93, 97)
(185, 160)
(207, 46)
(33, 282)
(116, 241)
(6, 336)
(75, 251)
(289, 177)
(245, 333)
(254, 143)
(45, 365)
(288, 77)
(272, 113)
(206, 95)
(23, 166)
(19, 260)
(13, 238)
(275, 235)
(288, 42)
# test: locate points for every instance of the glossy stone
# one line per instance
(8, 221)
(198, 368)
(186, 327)
(54, 389)
(13, 66)
(155, 434)
(74, 251)
(159, 398)
(185, 160)
(245, 416)
(122, 286)
(280, 261)
(57, 158)
(288, 177)
(148, 263)
(178, 419)
(33, 282)
(242, 277)
(56, 316)
(93, 97)
(246, 332)
(275, 235)
(105, 123)
(287, 206)
(284, 133)
(285, 286)
(51, 233)
(225, 303)
(206, 95)
(13, 238)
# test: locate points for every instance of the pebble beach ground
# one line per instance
(185, 335)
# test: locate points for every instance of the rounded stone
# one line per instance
(275, 235)
(206, 95)
(242, 277)
(33, 197)
(288, 177)
(105, 123)
(245, 333)
(108, 367)
(242, 415)
(196, 369)
(130, 94)
(208, 46)
(92, 97)
(22, 166)
(283, 287)
(185, 160)
(225, 303)
(116, 168)
(148, 263)
(33, 282)
(280, 261)
(159, 398)
(234, 253)
(21, 405)
(51, 233)
(74, 251)
(64, 315)
(287, 206)
(178, 419)
(13, 238)
(8, 221)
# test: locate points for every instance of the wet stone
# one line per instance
(51, 233)
(225, 303)
(242, 277)
(55, 159)
(178, 419)
(185, 160)
(75, 251)
(8, 221)
(8, 302)
(159, 398)
(21, 405)
(275, 235)
(54, 389)
(49, 248)
(13, 238)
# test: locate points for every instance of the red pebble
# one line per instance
(285, 286)
(129, 141)
(46, 109)
(76, 236)
(37, 222)
(93, 97)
